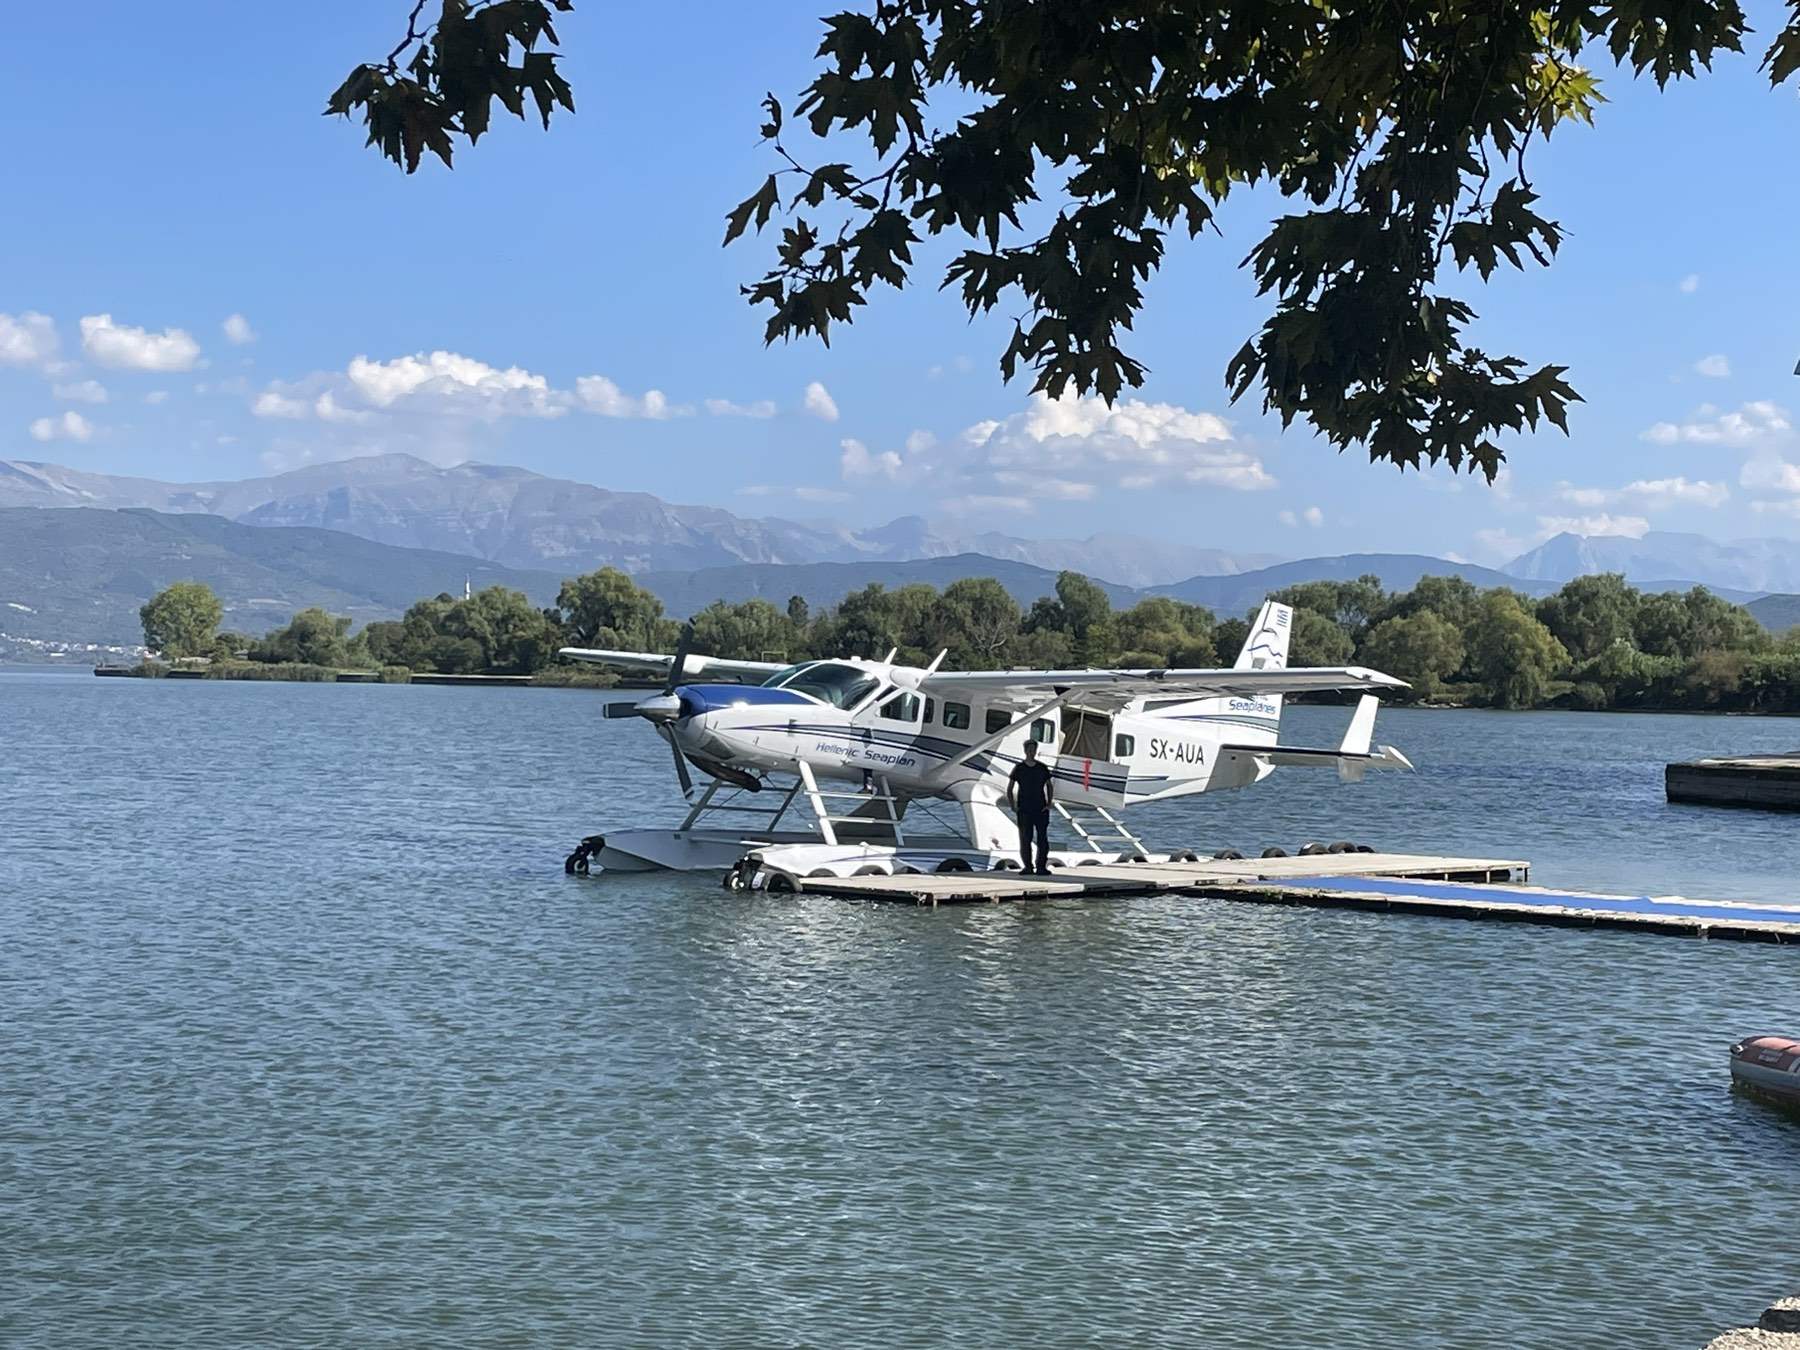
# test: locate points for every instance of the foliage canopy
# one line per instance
(181, 619)
(1088, 131)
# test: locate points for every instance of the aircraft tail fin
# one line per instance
(1267, 646)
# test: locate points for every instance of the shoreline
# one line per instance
(556, 677)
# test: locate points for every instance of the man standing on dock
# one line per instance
(1029, 794)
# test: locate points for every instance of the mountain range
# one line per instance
(1666, 560)
(79, 552)
(521, 519)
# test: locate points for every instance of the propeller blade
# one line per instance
(678, 667)
(681, 769)
(619, 710)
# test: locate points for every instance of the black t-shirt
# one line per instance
(1031, 781)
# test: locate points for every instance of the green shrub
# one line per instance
(574, 677)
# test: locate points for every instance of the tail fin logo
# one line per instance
(1267, 646)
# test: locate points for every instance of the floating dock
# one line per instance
(1444, 887)
(1760, 782)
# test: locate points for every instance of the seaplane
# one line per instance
(906, 768)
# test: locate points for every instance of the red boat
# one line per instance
(1768, 1066)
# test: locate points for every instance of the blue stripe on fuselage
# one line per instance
(705, 698)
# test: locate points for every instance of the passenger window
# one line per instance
(901, 708)
(998, 719)
(1043, 731)
(1123, 746)
(930, 710)
(956, 716)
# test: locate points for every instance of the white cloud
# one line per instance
(858, 462)
(28, 340)
(83, 391)
(987, 504)
(1313, 516)
(1770, 474)
(1647, 494)
(269, 403)
(1632, 527)
(429, 404)
(820, 403)
(1500, 545)
(121, 347)
(1714, 367)
(597, 394)
(1068, 449)
(724, 407)
(1758, 423)
(237, 330)
(449, 382)
(71, 426)
(1160, 442)
(1690, 283)
(327, 409)
(157, 396)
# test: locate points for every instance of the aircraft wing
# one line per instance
(658, 663)
(1102, 689)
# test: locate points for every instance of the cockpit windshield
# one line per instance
(841, 686)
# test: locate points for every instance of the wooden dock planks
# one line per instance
(1443, 887)
(1151, 878)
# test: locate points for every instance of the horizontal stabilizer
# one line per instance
(1349, 764)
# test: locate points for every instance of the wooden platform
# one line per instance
(1760, 782)
(946, 888)
(1462, 888)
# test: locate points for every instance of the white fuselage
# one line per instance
(924, 747)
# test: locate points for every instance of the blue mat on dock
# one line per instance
(1675, 907)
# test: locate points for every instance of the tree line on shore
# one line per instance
(1597, 643)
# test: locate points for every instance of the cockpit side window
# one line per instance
(901, 708)
(839, 685)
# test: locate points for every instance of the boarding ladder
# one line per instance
(878, 792)
(1102, 827)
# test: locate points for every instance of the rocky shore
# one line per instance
(1777, 1329)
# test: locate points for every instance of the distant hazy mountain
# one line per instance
(520, 519)
(819, 584)
(80, 575)
(1398, 572)
(1664, 559)
(1777, 613)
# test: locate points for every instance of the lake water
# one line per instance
(307, 1040)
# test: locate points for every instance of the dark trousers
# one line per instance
(1034, 827)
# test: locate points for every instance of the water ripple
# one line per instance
(309, 1042)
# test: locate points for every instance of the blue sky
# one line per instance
(207, 279)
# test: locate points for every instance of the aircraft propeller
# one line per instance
(662, 712)
(662, 707)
